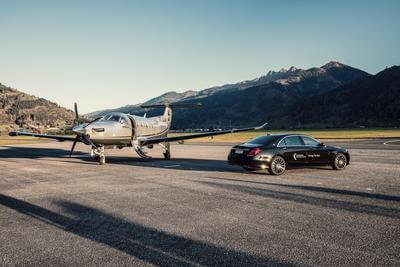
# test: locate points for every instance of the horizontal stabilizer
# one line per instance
(173, 105)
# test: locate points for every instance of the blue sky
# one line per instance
(106, 54)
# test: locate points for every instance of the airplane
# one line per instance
(125, 130)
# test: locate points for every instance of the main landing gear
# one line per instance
(166, 151)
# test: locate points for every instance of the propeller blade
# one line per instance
(90, 142)
(73, 146)
(92, 121)
(76, 112)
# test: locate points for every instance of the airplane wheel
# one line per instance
(102, 160)
(339, 161)
(167, 155)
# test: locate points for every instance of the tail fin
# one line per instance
(167, 117)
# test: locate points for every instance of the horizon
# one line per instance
(106, 55)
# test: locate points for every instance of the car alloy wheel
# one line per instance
(277, 166)
(340, 161)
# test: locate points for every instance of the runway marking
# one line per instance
(172, 166)
(388, 143)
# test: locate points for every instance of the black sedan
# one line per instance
(277, 152)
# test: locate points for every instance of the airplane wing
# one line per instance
(150, 141)
(56, 137)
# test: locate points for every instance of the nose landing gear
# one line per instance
(98, 154)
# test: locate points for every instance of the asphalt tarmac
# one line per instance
(196, 209)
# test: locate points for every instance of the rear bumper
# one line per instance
(248, 162)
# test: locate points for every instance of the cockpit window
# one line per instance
(118, 117)
(112, 117)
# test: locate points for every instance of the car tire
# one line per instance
(339, 161)
(277, 166)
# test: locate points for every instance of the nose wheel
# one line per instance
(98, 154)
(102, 160)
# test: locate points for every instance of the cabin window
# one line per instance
(124, 120)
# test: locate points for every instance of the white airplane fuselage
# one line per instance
(121, 129)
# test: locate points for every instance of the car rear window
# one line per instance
(291, 141)
(262, 140)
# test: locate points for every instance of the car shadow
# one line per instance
(311, 200)
(319, 189)
(137, 240)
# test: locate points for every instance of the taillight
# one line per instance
(254, 152)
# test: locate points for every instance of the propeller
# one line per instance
(76, 112)
(80, 136)
(75, 122)
(73, 145)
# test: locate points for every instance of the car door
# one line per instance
(294, 150)
(317, 153)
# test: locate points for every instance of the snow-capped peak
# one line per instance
(333, 64)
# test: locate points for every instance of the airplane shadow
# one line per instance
(84, 158)
(189, 164)
(145, 243)
(35, 152)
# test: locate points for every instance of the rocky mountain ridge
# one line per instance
(19, 108)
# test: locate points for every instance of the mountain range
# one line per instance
(333, 95)
(370, 101)
(271, 97)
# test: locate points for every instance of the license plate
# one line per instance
(239, 151)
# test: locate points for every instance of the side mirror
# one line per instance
(321, 144)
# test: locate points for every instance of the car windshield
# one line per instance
(262, 140)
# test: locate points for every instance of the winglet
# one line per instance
(261, 127)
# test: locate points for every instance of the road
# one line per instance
(195, 209)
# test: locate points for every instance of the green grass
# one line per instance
(244, 136)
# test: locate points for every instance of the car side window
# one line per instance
(292, 141)
(309, 141)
